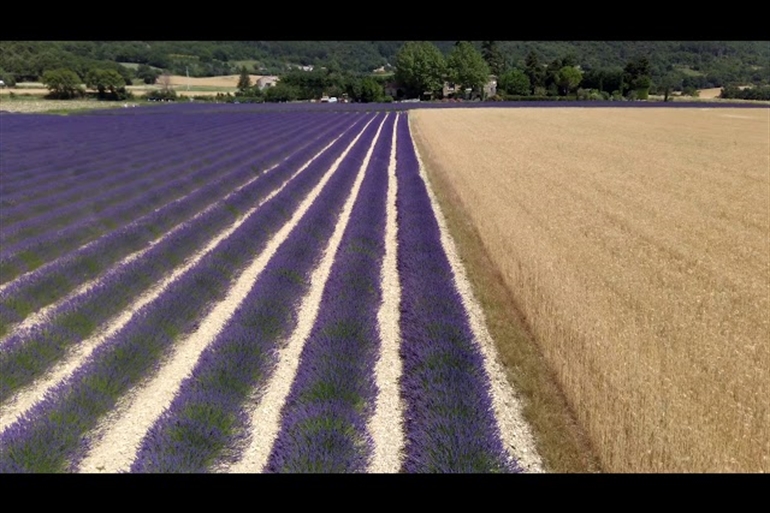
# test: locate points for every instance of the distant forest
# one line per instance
(701, 64)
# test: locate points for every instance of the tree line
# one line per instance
(108, 84)
(297, 85)
(422, 69)
(748, 93)
(706, 63)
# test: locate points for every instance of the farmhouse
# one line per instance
(393, 90)
(448, 90)
(451, 89)
(267, 81)
(490, 89)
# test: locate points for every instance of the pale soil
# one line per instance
(714, 92)
(636, 243)
(119, 435)
(140, 91)
(268, 404)
(222, 81)
(42, 105)
(35, 105)
(181, 92)
(386, 426)
(24, 90)
(225, 81)
(514, 429)
(227, 84)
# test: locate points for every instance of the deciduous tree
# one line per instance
(371, 90)
(568, 79)
(668, 83)
(466, 67)
(147, 74)
(636, 77)
(63, 83)
(514, 81)
(420, 67)
(282, 92)
(109, 83)
(165, 82)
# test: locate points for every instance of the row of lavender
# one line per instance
(33, 174)
(54, 185)
(449, 426)
(50, 437)
(79, 316)
(445, 386)
(210, 404)
(67, 270)
(160, 174)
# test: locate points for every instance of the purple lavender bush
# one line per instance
(450, 426)
(78, 317)
(324, 419)
(53, 435)
(195, 431)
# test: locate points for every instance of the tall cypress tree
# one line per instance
(534, 71)
(244, 81)
(494, 57)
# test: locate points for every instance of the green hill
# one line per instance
(704, 63)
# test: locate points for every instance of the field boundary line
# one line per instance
(515, 431)
(31, 394)
(123, 429)
(388, 436)
(267, 412)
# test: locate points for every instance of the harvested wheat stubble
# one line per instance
(636, 243)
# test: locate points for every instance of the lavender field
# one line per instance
(219, 289)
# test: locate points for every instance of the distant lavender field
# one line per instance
(100, 209)
(210, 107)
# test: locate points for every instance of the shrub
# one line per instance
(161, 95)
(690, 91)
(63, 84)
(8, 79)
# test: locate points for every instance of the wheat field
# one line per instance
(637, 245)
